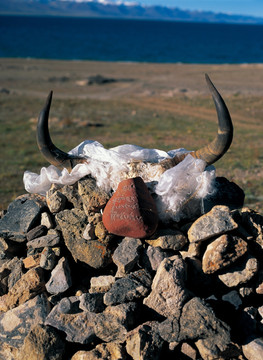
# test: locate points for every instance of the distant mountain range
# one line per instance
(106, 9)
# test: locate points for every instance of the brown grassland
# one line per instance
(165, 106)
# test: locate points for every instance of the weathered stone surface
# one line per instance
(51, 239)
(253, 349)
(189, 351)
(72, 195)
(60, 279)
(135, 286)
(15, 324)
(154, 256)
(56, 201)
(48, 258)
(168, 288)
(22, 214)
(126, 255)
(198, 321)
(240, 273)
(92, 302)
(109, 351)
(168, 239)
(216, 222)
(77, 325)
(43, 343)
(222, 252)
(92, 196)
(131, 211)
(101, 284)
(31, 261)
(28, 286)
(114, 323)
(253, 222)
(89, 232)
(47, 221)
(10, 272)
(144, 342)
(36, 232)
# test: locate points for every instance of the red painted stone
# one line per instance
(131, 211)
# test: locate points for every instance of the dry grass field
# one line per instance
(165, 106)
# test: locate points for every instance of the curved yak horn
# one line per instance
(221, 143)
(52, 154)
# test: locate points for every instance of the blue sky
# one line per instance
(243, 7)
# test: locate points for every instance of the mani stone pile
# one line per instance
(72, 290)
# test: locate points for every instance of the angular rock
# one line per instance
(51, 239)
(189, 351)
(92, 196)
(92, 252)
(233, 298)
(240, 273)
(253, 222)
(36, 232)
(22, 214)
(92, 302)
(72, 195)
(168, 288)
(198, 321)
(89, 232)
(133, 287)
(60, 279)
(168, 239)
(56, 201)
(47, 221)
(223, 252)
(131, 212)
(43, 343)
(154, 256)
(48, 258)
(27, 287)
(15, 324)
(114, 323)
(144, 342)
(101, 284)
(253, 349)
(10, 272)
(216, 222)
(109, 351)
(77, 325)
(31, 261)
(126, 255)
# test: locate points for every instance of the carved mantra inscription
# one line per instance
(131, 211)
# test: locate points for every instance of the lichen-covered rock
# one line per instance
(168, 293)
(216, 222)
(222, 252)
(16, 323)
(43, 343)
(144, 342)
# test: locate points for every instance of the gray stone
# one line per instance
(114, 323)
(22, 215)
(223, 252)
(56, 201)
(92, 302)
(36, 232)
(127, 255)
(72, 195)
(92, 252)
(144, 342)
(135, 286)
(77, 325)
(15, 324)
(216, 222)
(10, 272)
(253, 222)
(101, 284)
(168, 288)
(154, 256)
(253, 349)
(48, 258)
(89, 232)
(240, 273)
(168, 239)
(233, 298)
(60, 279)
(51, 239)
(43, 343)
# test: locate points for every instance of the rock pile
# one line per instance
(69, 289)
